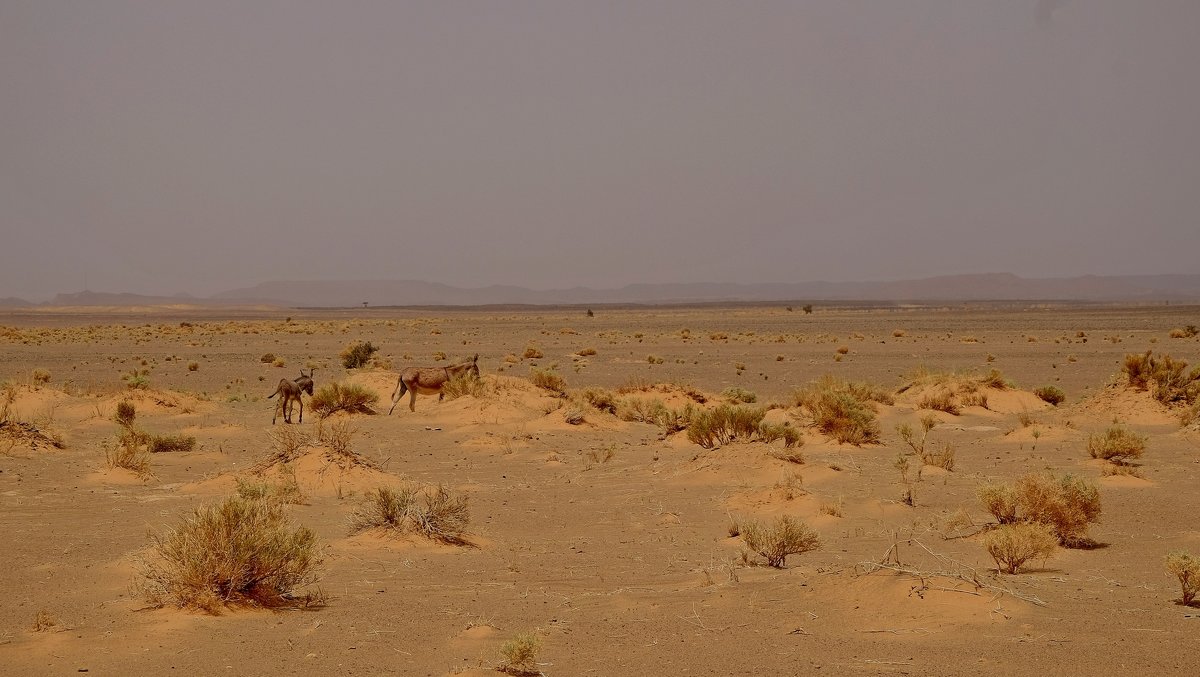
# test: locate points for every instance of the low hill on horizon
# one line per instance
(1178, 288)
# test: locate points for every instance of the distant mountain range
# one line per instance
(975, 287)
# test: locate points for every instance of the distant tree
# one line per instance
(807, 309)
(590, 313)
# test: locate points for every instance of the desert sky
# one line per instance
(167, 147)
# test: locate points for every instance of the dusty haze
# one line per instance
(161, 148)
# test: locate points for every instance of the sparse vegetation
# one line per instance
(532, 352)
(786, 536)
(1000, 500)
(600, 399)
(585, 352)
(1012, 545)
(348, 397)
(285, 490)
(137, 379)
(464, 384)
(236, 553)
(39, 376)
(357, 354)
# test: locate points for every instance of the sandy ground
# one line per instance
(608, 539)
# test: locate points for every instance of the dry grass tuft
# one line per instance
(724, 424)
(786, 536)
(432, 512)
(167, 443)
(532, 352)
(286, 490)
(1012, 545)
(348, 397)
(600, 399)
(520, 655)
(549, 380)
(739, 395)
(942, 400)
(126, 413)
(237, 553)
(843, 409)
(942, 458)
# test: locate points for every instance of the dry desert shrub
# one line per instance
(942, 458)
(166, 443)
(126, 413)
(532, 352)
(739, 395)
(193, 366)
(1186, 568)
(573, 415)
(585, 352)
(40, 376)
(267, 358)
(44, 621)
(433, 512)
(1000, 500)
(130, 452)
(724, 424)
(843, 409)
(236, 553)
(1012, 545)
(600, 399)
(1066, 504)
(928, 421)
(1185, 332)
(786, 536)
(1168, 379)
(1051, 394)
(1116, 444)
(549, 380)
(520, 654)
(357, 354)
(137, 379)
(348, 397)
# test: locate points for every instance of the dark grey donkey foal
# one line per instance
(289, 392)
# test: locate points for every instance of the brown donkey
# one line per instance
(289, 392)
(429, 380)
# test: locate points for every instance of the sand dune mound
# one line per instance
(149, 399)
(1136, 407)
(964, 392)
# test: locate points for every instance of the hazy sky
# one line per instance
(163, 147)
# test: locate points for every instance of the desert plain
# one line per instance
(607, 538)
